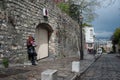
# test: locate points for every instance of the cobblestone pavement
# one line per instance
(107, 67)
(30, 72)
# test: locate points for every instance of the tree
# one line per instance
(107, 3)
(116, 36)
(73, 11)
(73, 8)
(87, 8)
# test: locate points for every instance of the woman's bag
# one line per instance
(35, 54)
(30, 50)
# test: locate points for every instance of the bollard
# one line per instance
(49, 75)
(76, 66)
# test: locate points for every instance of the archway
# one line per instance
(42, 35)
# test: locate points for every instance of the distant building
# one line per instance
(89, 37)
(109, 46)
(106, 44)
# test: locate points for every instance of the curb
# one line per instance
(78, 75)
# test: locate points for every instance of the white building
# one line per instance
(89, 37)
(109, 46)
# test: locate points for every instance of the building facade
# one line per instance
(89, 38)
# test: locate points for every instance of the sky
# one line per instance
(107, 21)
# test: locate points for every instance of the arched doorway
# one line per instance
(42, 35)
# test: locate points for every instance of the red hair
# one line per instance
(29, 40)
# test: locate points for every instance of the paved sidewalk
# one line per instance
(30, 72)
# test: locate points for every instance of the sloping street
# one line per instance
(107, 67)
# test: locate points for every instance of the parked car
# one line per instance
(99, 51)
(111, 52)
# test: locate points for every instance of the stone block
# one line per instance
(49, 75)
(76, 66)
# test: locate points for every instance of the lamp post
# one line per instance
(81, 37)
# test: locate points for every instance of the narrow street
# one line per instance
(107, 67)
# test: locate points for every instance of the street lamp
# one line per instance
(81, 37)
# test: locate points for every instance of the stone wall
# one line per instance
(19, 18)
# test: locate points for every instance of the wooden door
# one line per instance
(42, 43)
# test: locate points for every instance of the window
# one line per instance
(91, 33)
(89, 44)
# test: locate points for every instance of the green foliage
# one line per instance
(74, 12)
(103, 50)
(72, 8)
(5, 62)
(64, 7)
(86, 24)
(116, 36)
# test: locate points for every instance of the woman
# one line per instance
(31, 49)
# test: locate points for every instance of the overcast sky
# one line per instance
(108, 20)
